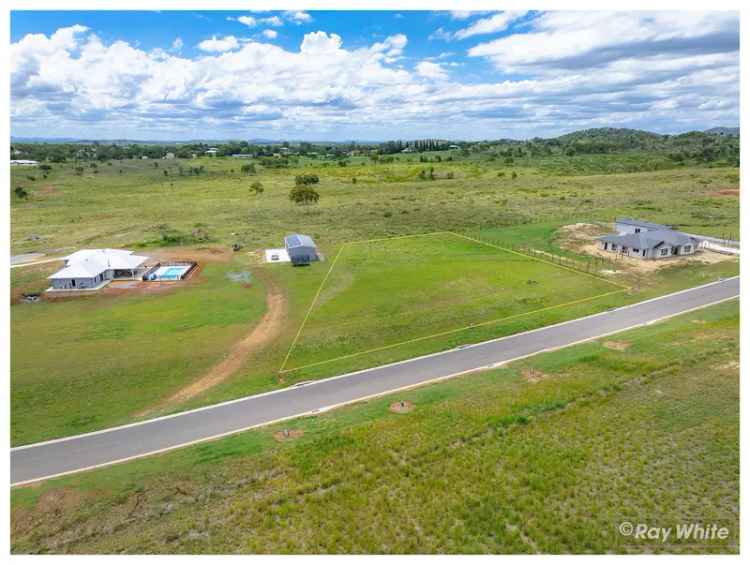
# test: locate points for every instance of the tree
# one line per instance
(306, 180)
(257, 187)
(21, 192)
(248, 169)
(304, 195)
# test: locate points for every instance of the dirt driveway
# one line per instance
(263, 333)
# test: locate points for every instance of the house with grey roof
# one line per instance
(646, 240)
(630, 225)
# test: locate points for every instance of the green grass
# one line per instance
(385, 292)
(120, 209)
(486, 463)
(66, 379)
(94, 362)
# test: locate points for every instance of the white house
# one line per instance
(91, 269)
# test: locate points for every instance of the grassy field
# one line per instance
(384, 292)
(86, 364)
(131, 202)
(547, 455)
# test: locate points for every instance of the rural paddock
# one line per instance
(380, 294)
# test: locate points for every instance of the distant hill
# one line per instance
(734, 132)
(610, 134)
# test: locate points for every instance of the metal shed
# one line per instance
(301, 249)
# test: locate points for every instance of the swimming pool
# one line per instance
(169, 273)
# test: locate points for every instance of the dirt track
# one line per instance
(261, 335)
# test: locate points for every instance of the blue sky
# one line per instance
(369, 75)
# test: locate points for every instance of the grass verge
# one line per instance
(547, 455)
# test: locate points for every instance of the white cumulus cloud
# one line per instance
(274, 21)
(493, 24)
(249, 21)
(298, 17)
(391, 47)
(270, 33)
(219, 45)
(320, 42)
(664, 72)
(428, 69)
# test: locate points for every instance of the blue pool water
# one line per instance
(171, 273)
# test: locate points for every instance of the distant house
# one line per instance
(23, 163)
(301, 249)
(453, 147)
(169, 156)
(211, 151)
(91, 269)
(646, 240)
(408, 150)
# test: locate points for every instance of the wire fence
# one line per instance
(592, 265)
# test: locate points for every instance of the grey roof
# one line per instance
(651, 239)
(298, 240)
(641, 224)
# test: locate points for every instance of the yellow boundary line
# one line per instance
(457, 330)
(323, 282)
(312, 305)
(447, 332)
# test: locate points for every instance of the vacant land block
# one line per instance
(381, 293)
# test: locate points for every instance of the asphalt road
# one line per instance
(68, 455)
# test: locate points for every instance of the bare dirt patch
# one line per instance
(733, 192)
(286, 435)
(49, 190)
(59, 500)
(533, 376)
(117, 288)
(617, 345)
(263, 333)
(198, 254)
(574, 236)
(402, 407)
(731, 366)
